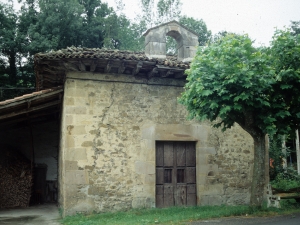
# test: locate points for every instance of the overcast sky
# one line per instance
(258, 18)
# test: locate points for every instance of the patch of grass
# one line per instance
(177, 215)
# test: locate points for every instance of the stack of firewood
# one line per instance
(15, 180)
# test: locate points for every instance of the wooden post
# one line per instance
(298, 152)
(32, 144)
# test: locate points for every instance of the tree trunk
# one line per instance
(298, 152)
(259, 172)
(13, 68)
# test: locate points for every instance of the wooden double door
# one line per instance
(175, 173)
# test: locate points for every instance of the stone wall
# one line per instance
(110, 124)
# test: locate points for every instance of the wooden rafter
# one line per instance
(137, 68)
(122, 67)
(154, 72)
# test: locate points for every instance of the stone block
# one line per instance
(76, 110)
(148, 132)
(78, 130)
(144, 167)
(216, 189)
(69, 101)
(74, 92)
(83, 206)
(74, 191)
(238, 199)
(207, 150)
(156, 49)
(203, 169)
(68, 119)
(201, 179)
(69, 141)
(68, 204)
(211, 200)
(145, 191)
(146, 154)
(76, 154)
(150, 179)
(96, 190)
(201, 158)
(87, 144)
(76, 177)
(143, 202)
(71, 165)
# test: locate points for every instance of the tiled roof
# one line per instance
(28, 96)
(96, 53)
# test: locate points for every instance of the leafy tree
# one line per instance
(295, 26)
(216, 37)
(59, 24)
(168, 10)
(198, 26)
(16, 73)
(8, 29)
(231, 81)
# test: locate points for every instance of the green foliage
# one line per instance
(177, 215)
(168, 10)
(258, 88)
(198, 26)
(286, 180)
(276, 156)
(231, 80)
(237, 82)
(161, 216)
(295, 26)
(281, 178)
(154, 13)
(44, 25)
(285, 59)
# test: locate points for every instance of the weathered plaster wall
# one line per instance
(110, 124)
(45, 140)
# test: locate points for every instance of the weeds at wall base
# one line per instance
(178, 215)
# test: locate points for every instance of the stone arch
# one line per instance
(176, 36)
(155, 41)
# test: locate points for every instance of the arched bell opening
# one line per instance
(173, 42)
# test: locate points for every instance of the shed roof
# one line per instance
(31, 105)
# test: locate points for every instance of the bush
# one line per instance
(286, 180)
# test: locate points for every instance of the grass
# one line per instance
(177, 215)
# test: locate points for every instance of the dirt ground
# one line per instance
(34, 215)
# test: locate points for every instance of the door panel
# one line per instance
(180, 198)
(168, 195)
(168, 156)
(191, 195)
(180, 153)
(190, 175)
(191, 156)
(159, 196)
(159, 176)
(159, 154)
(175, 174)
